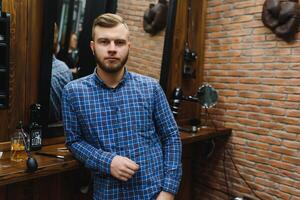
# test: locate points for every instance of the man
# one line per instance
(119, 123)
(69, 55)
(60, 76)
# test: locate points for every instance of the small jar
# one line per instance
(19, 145)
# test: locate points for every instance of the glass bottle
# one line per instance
(18, 145)
(35, 129)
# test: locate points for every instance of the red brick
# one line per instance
(293, 97)
(284, 150)
(293, 129)
(269, 140)
(291, 160)
(293, 113)
(273, 111)
(291, 144)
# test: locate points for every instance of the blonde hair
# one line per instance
(108, 20)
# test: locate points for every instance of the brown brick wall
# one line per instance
(257, 76)
(146, 50)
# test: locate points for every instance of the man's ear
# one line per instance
(92, 46)
(129, 45)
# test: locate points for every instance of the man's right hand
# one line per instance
(123, 168)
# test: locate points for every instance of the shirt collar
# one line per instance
(100, 82)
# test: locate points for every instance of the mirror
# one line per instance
(74, 20)
(207, 96)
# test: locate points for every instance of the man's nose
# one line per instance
(112, 46)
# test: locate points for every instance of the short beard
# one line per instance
(109, 69)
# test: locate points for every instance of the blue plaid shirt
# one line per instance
(132, 120)
(60, 76)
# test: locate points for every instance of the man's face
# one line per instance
(111, 47)
(73, 41)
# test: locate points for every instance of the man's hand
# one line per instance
(165, 196)
(123, 168)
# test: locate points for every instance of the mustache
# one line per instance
(107, 58)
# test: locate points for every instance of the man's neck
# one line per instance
(112, 80)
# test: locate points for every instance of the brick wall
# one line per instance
(258, 79)
(146, 50)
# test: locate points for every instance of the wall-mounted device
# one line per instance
(189, 56)
(206, 96)
(4, 57)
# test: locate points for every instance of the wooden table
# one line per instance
(11, 172)
(15, 172)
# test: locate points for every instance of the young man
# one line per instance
(119, 123)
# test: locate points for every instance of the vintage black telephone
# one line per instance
(206, 96)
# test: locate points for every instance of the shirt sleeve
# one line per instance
(171, 142)
(93, 158)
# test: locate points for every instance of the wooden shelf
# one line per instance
(12, 172)
(204, 134)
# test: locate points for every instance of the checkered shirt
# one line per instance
(60, 76)
(132, 120)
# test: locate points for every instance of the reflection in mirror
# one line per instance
(67, 29)
(74, 20)
(69, 32)
(60, 76)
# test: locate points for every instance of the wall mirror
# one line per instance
(74, 20)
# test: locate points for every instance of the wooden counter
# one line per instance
(203, 134)
(15, 172)
(11, 172)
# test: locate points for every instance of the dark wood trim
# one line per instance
(168, 45)
(46, 60)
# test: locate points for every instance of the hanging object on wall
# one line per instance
(282, 17)
(189, 56)
(155, 17)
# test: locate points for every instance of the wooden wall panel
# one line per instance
(34, 49)
(18, 53)
(25, 48)
(196, 42)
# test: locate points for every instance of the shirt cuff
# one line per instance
(171, 186)
(101, 161)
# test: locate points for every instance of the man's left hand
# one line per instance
(165, 196)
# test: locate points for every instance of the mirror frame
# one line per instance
(168, 45)
(50, 9)
(49, 13)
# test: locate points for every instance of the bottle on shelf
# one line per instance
(35, 129)
(19, 144)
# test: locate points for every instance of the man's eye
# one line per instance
(120, 42)
(104, 42)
